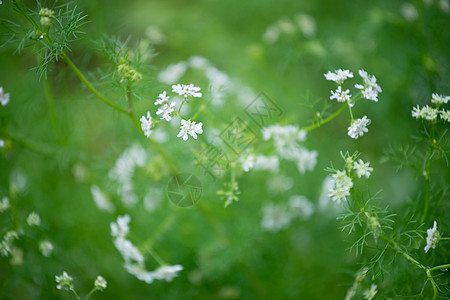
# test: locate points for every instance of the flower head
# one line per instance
(100, 283)
(46, 248)
(162, 98)
(4, 97)
(4, 204)
(191, 128)
(187, 91)
(33, 219)
(445, 115)
(167, 273)
(362, 169)
(358, 127)
(341, 186)
(166, 111)
(146, 125)
(338, 76)
(370, 89)
(340, 95)
(121, 227)
(369, 294)
(433, 237)
(439, 99)
(64, 282)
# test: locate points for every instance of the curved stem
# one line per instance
(90, 293)
(315, 126)
(446, 266)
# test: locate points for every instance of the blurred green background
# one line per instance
(225, 253)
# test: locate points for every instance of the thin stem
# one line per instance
(427, 175)
(130, 109)
(156, 256)
(446, 266)
(38, 148)
(90, 293)
(75, 293)
(320, 123)
(90, 86)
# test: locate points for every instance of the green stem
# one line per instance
(130, 109)
(427, 174)
(41, 149)
(315, 126)
(90, 86)
(75, 293)
(156, 256)
(446, 266)
(90, 293)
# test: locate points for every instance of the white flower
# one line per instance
(358, 127)
(33, 219)
(362, 169)
(340, 95)
(445, 115)
(187, 91)
(173, 73)
(162, 98)
(275, 217)
(4, 97)
(369, 294)
(439, 99)
(4, 204)
(167, 273)
(121, 227)
(409, 12)
(100, 283)
(300, 206)
(166, 111)
(46, 248)
(64, 282)
(341, 186)
(338, 76)
(101, 200)
(429, 113)
(128, 251)
(2, 143)
(140, 273)
(270, 163)
(247, 161)
(433, 237)
(370, 87)
(306, 160)
(146, 125)
(417, 112)
(191, 128)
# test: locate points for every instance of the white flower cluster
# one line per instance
(369, 90)
(4, 97)
(342, 181)
(33, 219)
(431, 113)
(4, 204)
(304, 23)
(279, 216)
(166, 111)
(64, 282)
(433, 237)
(286, 141)
(134, 260)
(6, 243)
(46, 248)
(123, 171)
(370, 293)
(101, 200)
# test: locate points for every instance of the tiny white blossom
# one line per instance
(140, 273)
(439, 99)
(247, 161)
(2, 143)
(370, 87)
(338, 76)
(358, 127)
(64, 282)
(128, 251)
(162, 98)
(167, 273)
(101, 200)
(369, 294)
(46, 248)
(445, 115)
(33, 219)
(341, 186)
(306, 160)
(187, 91)
(4, 97)
(362, 169)
(121, 227)
(417, 112)
(433, 237)
(100, 283)
(146, 125)
(340, 95)
(276, 217)
(191, 128)
(270, 163)
(4, 204)
(429, 113)
(166, 111)
(173, 73)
